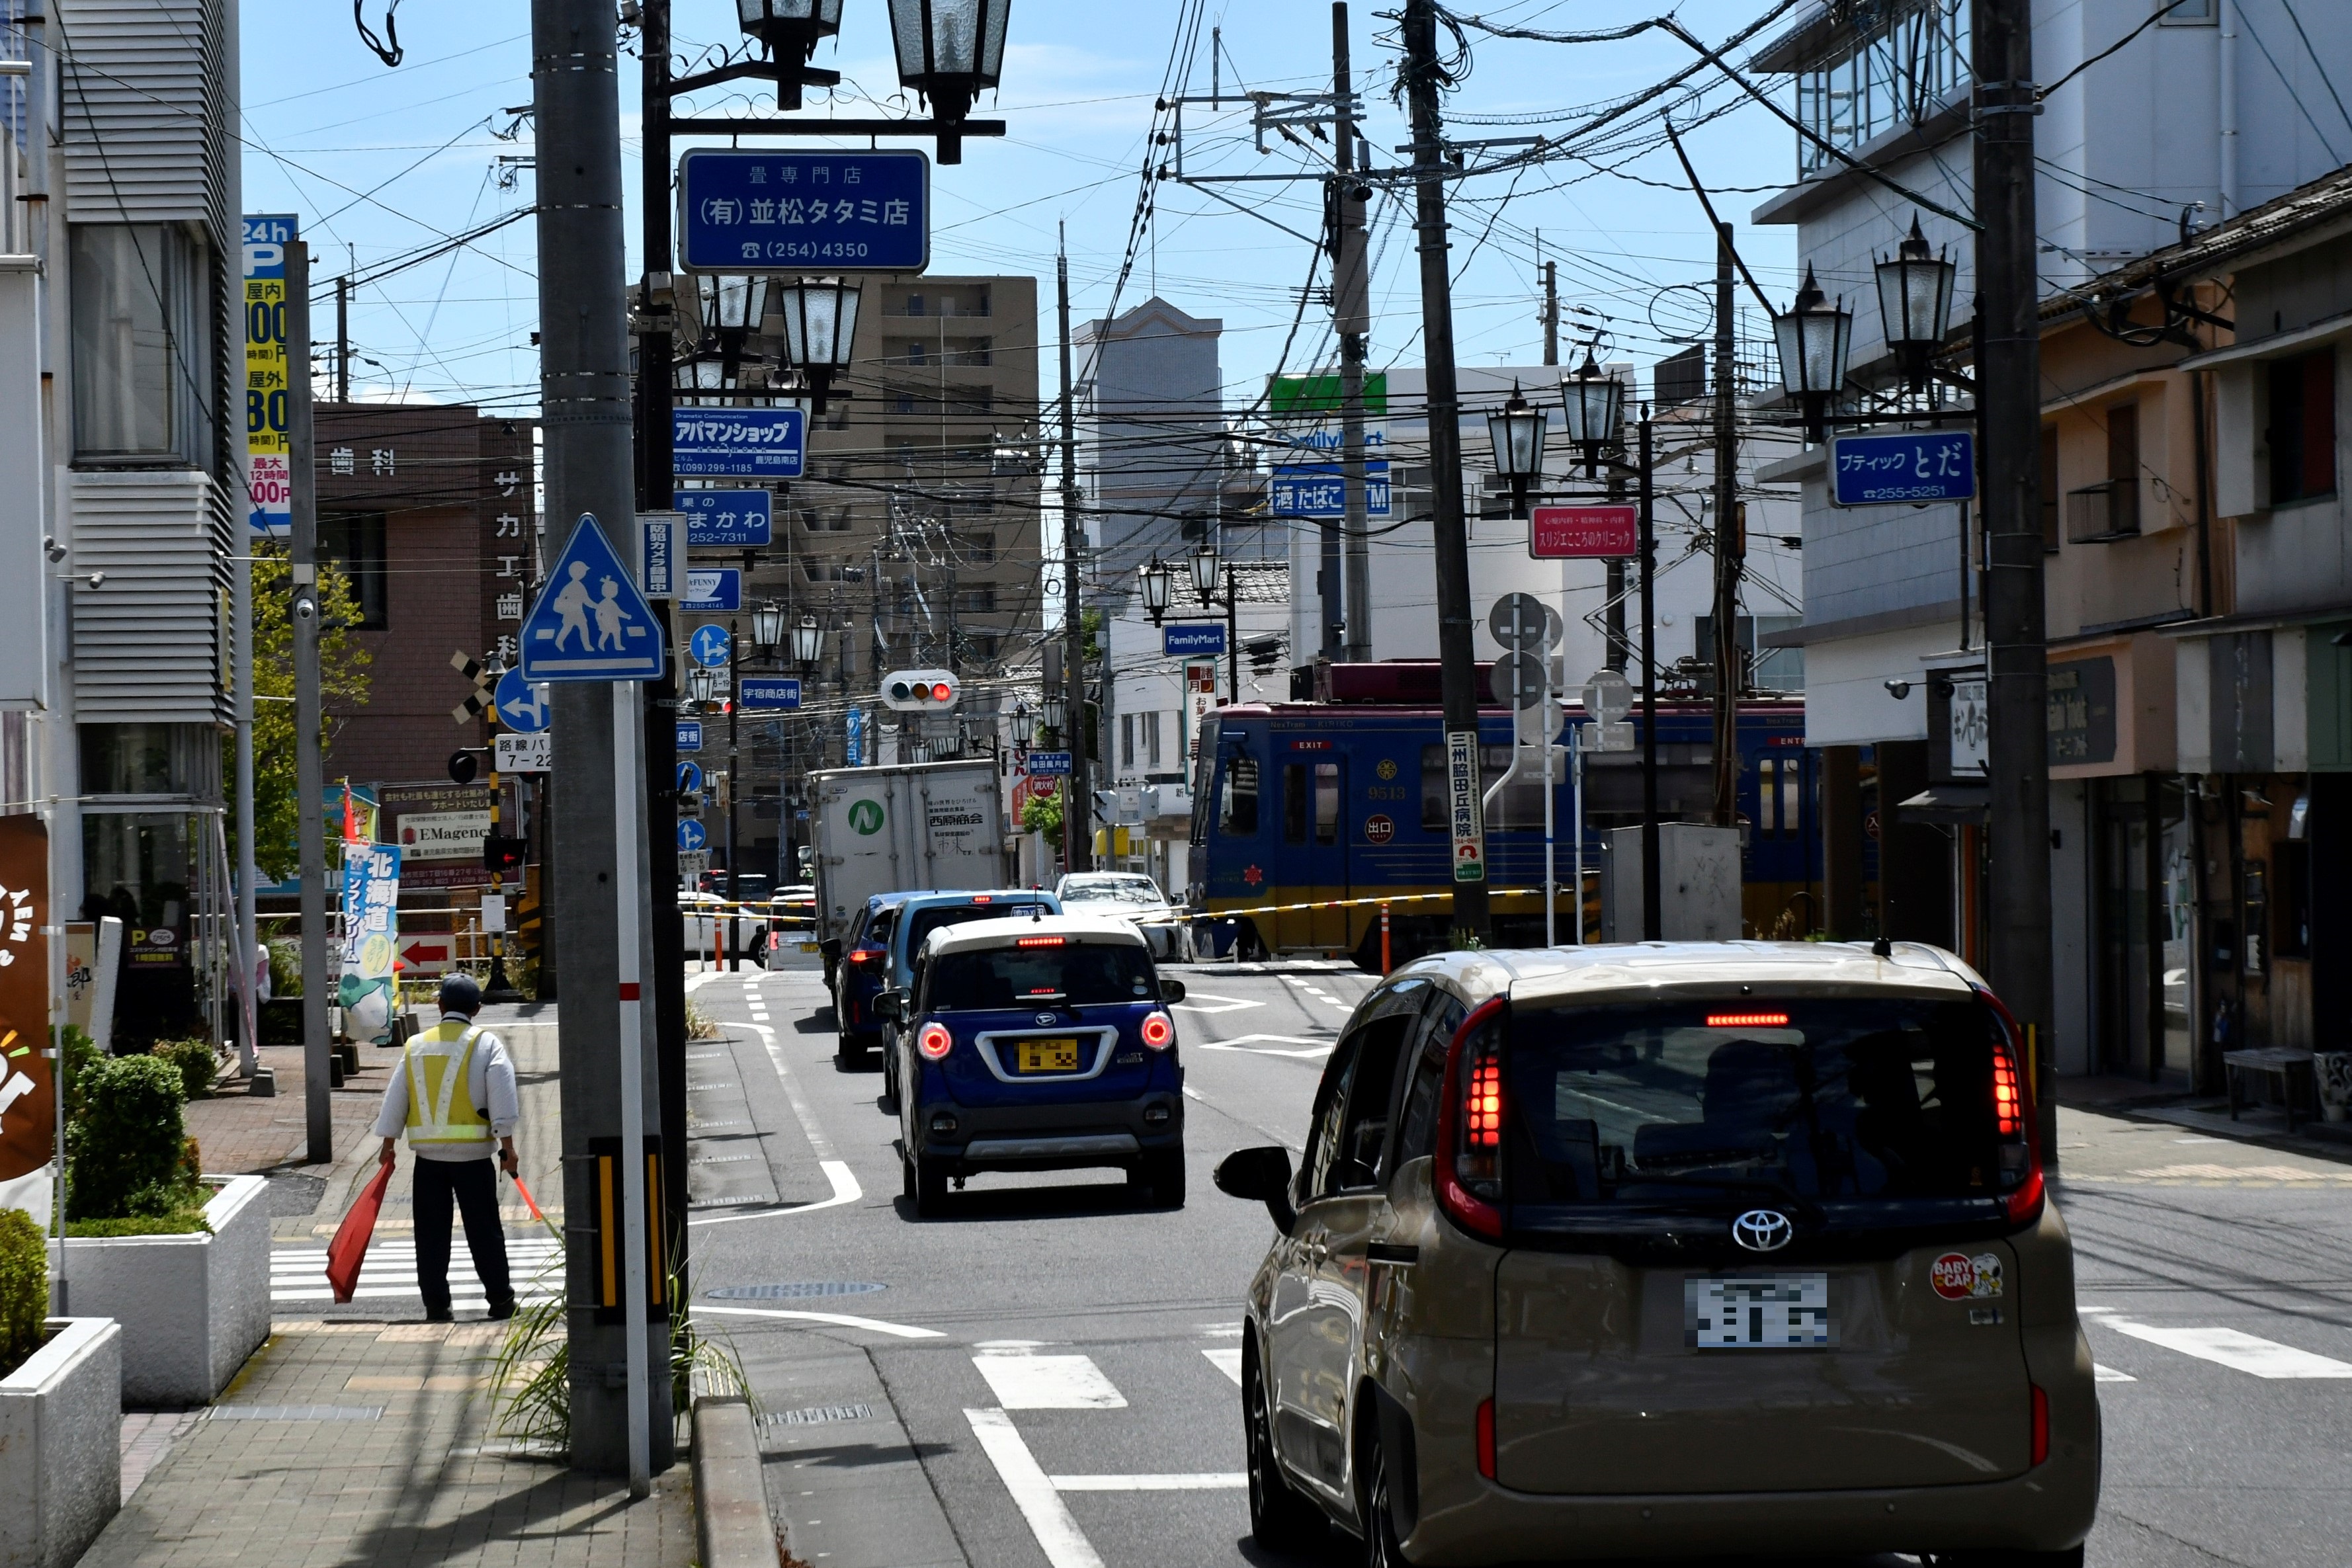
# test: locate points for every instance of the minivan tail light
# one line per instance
(2012, 1114)
(2041, 1424)
(1159, 1031)
(1470, 1124)
(1041, 942)
(1487, 1438)
(935, 1041)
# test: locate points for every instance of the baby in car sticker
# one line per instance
(1960, 1278)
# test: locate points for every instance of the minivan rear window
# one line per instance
(925, 921)
(1073, 974)
(1824, 1098)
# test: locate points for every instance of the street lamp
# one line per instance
(1204, 573)
(1517, 434)
(1057, 708)
(1023, 736)
(1158, 582)
(1814, 337)
(731, 308)
(768, 624)
(820, 329)
(792, 29)
(1914, 303)
(808, 642)
(950, 51)
(1205, 568)
(1594, 402)
(702, 685)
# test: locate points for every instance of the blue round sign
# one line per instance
(691, 835)
(709, 645)
(690, 778)
(522, 706)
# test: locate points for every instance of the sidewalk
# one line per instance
(2136, 1099)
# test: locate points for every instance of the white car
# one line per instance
(705, 916)
(1167, 927)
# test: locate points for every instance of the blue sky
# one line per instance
(387, 162)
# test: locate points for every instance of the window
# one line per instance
(1237, 806)
(354, 542)
(1294, 803)
(1323, 1129)
(2187, 14)
(1126, 740)
(1002, 978)
(2302, 427)
(142, 345)
(1327, 803)
(1518, 809)
(2122, 467)
(1151, 740)
(1371, 1097)
(2050, 489)
(914, 305)
(1895, 73)
(1780, 797)
(2291, 866)
(1418, 1135)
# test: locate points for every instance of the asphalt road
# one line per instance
(1048, 1376)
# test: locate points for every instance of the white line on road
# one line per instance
(2239, 1351)
(1227, 1359)
(845, 1190)
(2109, 1375)
(1058, 1535)
(1192, 1004)
(1207, 1480)
(1242, 1042)
(1023, 1382)
(818, 1142)
(837, 1320)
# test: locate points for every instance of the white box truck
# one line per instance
(910, 827)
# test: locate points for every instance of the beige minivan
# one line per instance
(1667, 1250)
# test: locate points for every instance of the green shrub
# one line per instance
(187, 1222)
(128, 1152)
(195, 1062)
(23, 1287)
(81, 1055)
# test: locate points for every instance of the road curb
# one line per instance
(731, 1528)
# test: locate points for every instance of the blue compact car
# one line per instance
(1038, 1044)
(919, 914)
(862, 975)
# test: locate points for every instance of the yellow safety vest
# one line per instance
(441, 1108)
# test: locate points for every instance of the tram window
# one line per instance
(1518, 807)
(1765, 770)
(1294, 803)
(1327, 802)
(1792, 795)
(1237, 803)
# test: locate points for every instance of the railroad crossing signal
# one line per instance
(1518, 679)
(1518, 621)
(921, 691)
(478, 701)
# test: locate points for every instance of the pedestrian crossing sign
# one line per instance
(591, 623)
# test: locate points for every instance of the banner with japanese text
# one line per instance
(367, 993)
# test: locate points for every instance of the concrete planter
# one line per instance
(192, 1307)
(60, 1433)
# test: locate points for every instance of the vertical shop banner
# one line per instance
(27, 1086)
(371, 935)
(269, 477)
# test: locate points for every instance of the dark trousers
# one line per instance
(474, 1184)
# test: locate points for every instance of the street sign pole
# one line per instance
(626, 892)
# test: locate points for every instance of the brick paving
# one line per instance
(243, 1136)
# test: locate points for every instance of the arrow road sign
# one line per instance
(691, 834)
(522, 706)
(709, 645)
(690, 778)
(1517, 620)
(1518, 678)
(590, 623)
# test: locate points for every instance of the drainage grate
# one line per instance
(815, 1414)
(797, 1288)
(296, 1413)
(719, 1159)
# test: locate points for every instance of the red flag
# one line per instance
(350, 820)
(532, 1204)
(348, 1251)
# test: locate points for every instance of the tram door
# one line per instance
(1313, 852)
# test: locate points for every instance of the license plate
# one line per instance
(1776, 1312)
(811, 947)
(1049, 1056)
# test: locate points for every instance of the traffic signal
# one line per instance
(921, 691)
(502, 855)
(466, 765)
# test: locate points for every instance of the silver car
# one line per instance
(1167, 927)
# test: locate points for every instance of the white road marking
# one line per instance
(1227, 1359)
(821, 1145)
(1209, 1480)
(1024, 1382)
(1058, 1535)
(1192, 1000)
(837, 1320)
(845, 1190)
(2239, 1351)
(2109, 1375)
(1242, 1042)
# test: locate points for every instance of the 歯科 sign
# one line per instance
(1463, 807)
(1909, 466)
(269, 475)
(1578, 533)
(738, 443)
(726, 519)
(839, 211)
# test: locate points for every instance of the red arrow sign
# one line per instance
(419, 954)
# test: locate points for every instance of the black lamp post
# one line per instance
(1914, 303)
(1813, 338)
(1157, 582)
(792, 29)
(1205, 568)
(950, 51)
(808, 643)
(768, 626)
(820, 329)
(1595, 405)
(1517, 434)
(732, 304)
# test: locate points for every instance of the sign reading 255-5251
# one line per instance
(831, 212)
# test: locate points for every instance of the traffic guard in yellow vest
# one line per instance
(454, 1094)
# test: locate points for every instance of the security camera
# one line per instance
(306, 608)
(1898, 689)
(56, 552)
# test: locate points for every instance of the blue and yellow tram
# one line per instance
(1318, 802)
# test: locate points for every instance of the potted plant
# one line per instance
(179, 1258)
(60, 1412)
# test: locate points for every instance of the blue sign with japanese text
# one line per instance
(1196, 640)
(738, 443)
(1910, 465)
(725, 518)
(713, 588)
(1049, 764)
(855, 754)
(770, 692)
(745, 211)
(1320, 490)
(690, 735)
(691, 835)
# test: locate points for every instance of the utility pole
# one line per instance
(616, 1427)
(1457, 658)
(343, 339)
(2009, 402)
(1352, 312)
(1728, 543)
(1653, 916)
(1551, 313)
(656, 484)
(309, 779)
(1078, 814)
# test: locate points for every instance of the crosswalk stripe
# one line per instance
(1206, 1480)
(1034, 1492)
(1023, 1382)
(2240, 1352)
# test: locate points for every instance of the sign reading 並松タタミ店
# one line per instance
(738, 443)
(1463, 807)
(726, 519)
(770, 692)
(741, 211)
(269, 474)
(591, 623)
(1909, 466)
(371, 937)
(533, 753)
(1192, 640)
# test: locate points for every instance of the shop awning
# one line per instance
(1956, 803)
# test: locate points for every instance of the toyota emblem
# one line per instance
(1763, 1230)
(1048, 1018)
